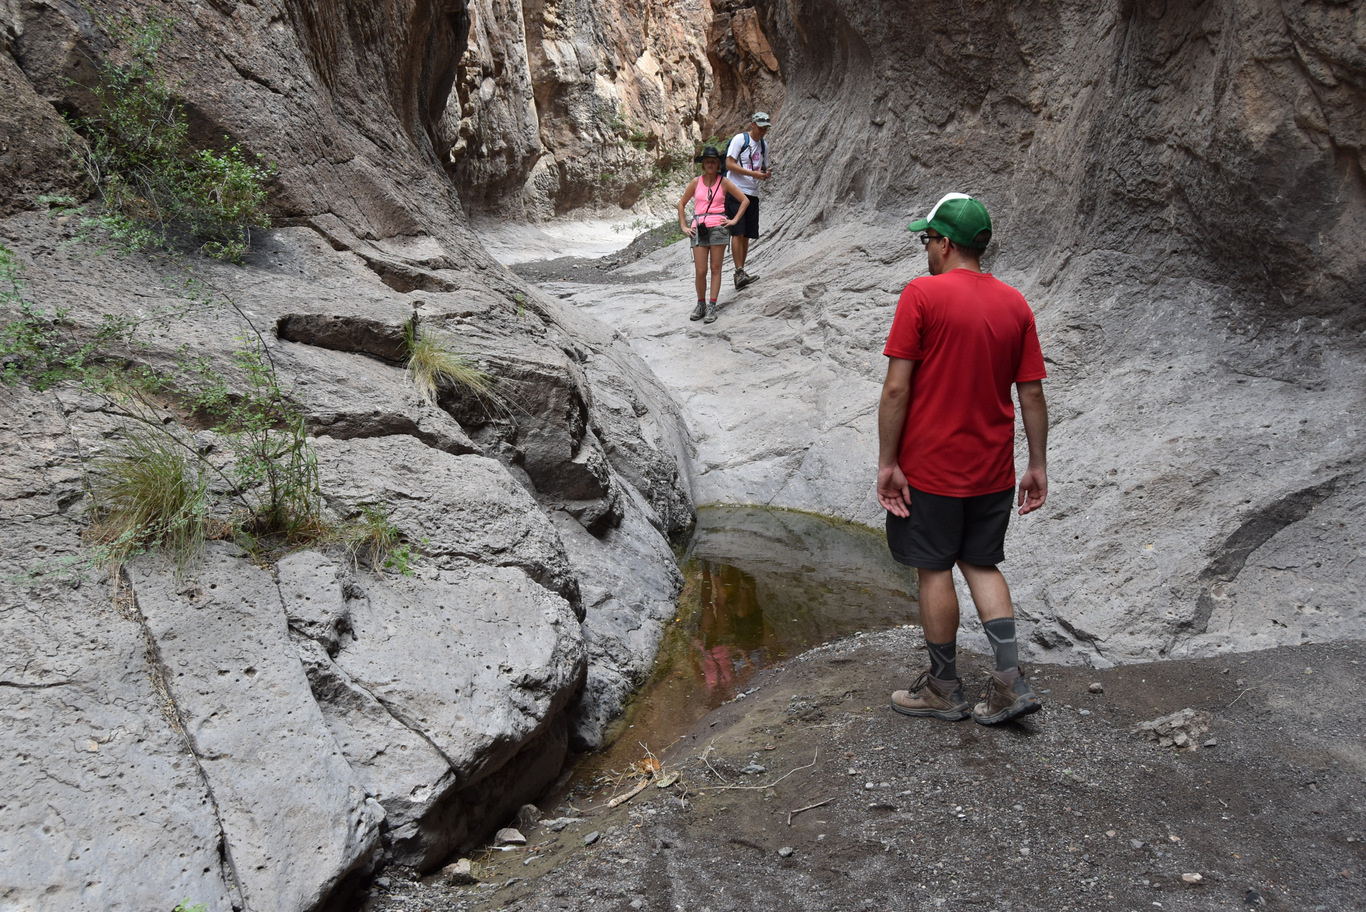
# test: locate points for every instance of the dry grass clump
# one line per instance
(431, 362)
(150, 495)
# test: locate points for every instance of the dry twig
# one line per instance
(809, 807)
(622, 799)
(770, 785)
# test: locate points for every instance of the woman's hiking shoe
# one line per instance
(1003, 700)
(699, 311)
(931, 696)
(710, 313)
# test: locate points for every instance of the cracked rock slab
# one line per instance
(296, 817)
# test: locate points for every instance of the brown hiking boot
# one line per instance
(1004, 700)
(931, 696)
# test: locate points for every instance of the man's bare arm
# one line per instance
(1034, 413)
(892, 490)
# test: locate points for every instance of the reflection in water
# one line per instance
(732, 637)
(760, 586)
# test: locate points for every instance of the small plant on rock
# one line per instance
(432, 363)
(151, 494)
(375, 540)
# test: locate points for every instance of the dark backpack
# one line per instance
(763, 151)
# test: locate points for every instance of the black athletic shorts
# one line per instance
(944, 530)
(747, 226)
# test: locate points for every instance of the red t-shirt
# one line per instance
(974, 337)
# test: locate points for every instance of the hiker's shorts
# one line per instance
(944, 530)
(717, 236)
(749, 225)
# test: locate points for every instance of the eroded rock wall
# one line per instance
(261, 737)
(567, 104)
(1178, 190)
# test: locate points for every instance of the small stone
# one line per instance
(753, 769)
(509, 836)
(592, 838)
(382, 882)
(637, 903)
(1083, 712)
(1137, 843)
(461, 872)
(1096, 687)
(869, 785)
(1192, 878)
(787, 851)
(1212, 742)
(1024, 850)
(1111, 833)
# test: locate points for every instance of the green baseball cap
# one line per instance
(960, 218)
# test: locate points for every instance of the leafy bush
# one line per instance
(155, 188)
(274, 468)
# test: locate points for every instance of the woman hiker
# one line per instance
(708, 194)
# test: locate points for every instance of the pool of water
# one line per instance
(761, 586)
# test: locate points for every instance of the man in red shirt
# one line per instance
(946, 458)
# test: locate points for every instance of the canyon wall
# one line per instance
(1178, 190)
(259, 734)
(566, 104)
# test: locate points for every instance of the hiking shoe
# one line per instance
(699, 311)
(743, 278)
(931, 696)
(710, 313)
(1003, 701)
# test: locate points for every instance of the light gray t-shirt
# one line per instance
(755, 158)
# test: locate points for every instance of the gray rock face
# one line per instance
(100, 781)
(1176, 191)
(370, 717)
(295, 818)
(573, 104)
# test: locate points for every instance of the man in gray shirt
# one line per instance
(746, 164)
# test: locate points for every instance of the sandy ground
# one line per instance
(810, 793)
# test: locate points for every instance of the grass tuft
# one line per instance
(152, 495)
(375, 540)
(432, 363)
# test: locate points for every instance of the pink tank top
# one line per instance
(709, 203)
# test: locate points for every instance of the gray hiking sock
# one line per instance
(1001, 635)
(943, 660)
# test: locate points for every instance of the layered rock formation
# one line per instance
(563, 104)
(1178, 190)
(260, 737)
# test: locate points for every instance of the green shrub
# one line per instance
(155, 188)
(274, 469)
